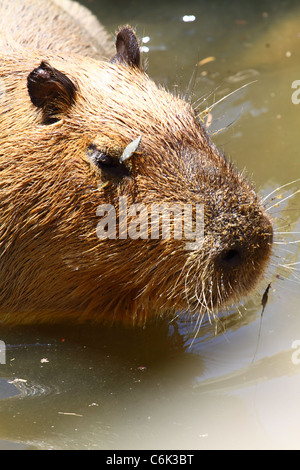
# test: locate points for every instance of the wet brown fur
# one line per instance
(53, 266)
(60, 25)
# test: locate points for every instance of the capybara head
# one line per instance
(80, 140)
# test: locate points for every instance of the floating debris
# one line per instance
(43, 360)
(206, 60)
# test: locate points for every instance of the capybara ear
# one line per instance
(128, 50)
(50, 90)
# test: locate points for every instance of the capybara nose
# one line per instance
(231, 258)
(252, 250)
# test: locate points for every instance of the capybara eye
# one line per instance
(105, 162)
(102, 159)
(99, 158)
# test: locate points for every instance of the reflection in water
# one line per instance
(169, 385)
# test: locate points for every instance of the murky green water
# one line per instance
(237, 387)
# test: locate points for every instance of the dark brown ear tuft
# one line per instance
(128, 50)
(50, 89)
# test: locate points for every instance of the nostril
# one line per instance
(230, 258)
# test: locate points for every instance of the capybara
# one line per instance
(81, 130)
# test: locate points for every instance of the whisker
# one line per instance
(191, 85)
(292, 242)
(210, 108)
(186, 287)
(290, 269)
(219, 293)
(283, 200)
(289, 264)
(278, 189)
(227, 126)
(293, 280)
(204, 98)
(199, 322)
(287, 233)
